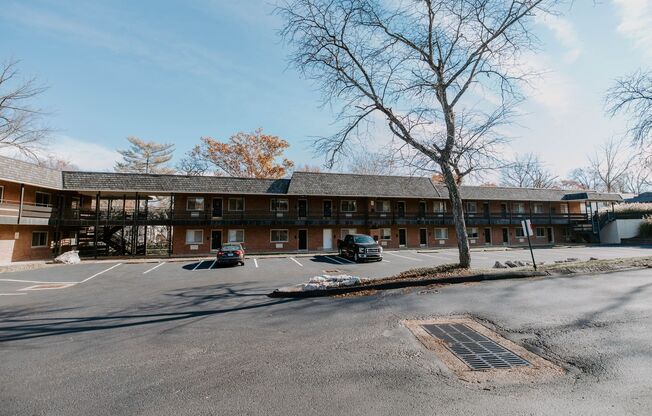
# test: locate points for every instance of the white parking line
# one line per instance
(428, 255)
(405, 257)
(256, 263)
(347, 261)
(212, 264)
(154, 268)
(103, 271)
(12, 294)
(386, 261)
(197, 265)
(295, 260)
(334, 259)
(34, 281)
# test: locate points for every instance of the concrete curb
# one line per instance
(519, 274)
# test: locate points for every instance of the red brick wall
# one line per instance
(12, 249)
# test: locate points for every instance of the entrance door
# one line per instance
(303, 239)
(505, 236)
(216, 240)
(487, 235)
(303, 208)
(402, 237)
(328, 239)
(217, 207)
(328, 209)
(551, 236)
(422, 209)
(74, 207)
(423, 237)
(401, 209)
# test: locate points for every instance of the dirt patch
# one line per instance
(539, 370)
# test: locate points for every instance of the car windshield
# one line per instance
(363, 239)
(231, 248)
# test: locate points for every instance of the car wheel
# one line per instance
(242, 263)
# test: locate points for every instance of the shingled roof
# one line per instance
(345, 184)
(132, 182)
(28, 173)
(498, 193)
(593, 196)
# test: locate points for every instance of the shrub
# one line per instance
(645, 229)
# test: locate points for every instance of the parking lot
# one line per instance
(270, 272)
(185, 338)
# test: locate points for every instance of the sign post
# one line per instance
(527, 229)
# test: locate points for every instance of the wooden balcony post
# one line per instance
(97, 220)
(20, 205)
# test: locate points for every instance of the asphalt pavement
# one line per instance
(189, 339)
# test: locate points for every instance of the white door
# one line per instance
(328, 239)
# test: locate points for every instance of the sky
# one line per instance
(174, 71)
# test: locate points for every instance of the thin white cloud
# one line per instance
(565, 33)
(86, 155)
(636, 22)
(550, 88)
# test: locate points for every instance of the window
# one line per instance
(348, 206)
(518, 208)
(563, 208)
(278, 236)
(385, 233)
(279, 205)
(236, 204)
(236, 236)
(541, 232)
(2, 193)
(195, 203)
(194, 236)
(520, 233)
(441, 233)
(383, 206)
(42, 199)
(538, 208)
(472, 232)
(440, 206)
(39, 239)
(471, 208)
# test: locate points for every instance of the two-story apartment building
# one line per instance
(44, 212)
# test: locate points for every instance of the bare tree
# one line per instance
(528, 171)
(192, 165)
(55, 162)
(372, 163)
(633, 95)
(21, 127)
(421, 66)
(638, 178)
(145, 157)
(609, 165)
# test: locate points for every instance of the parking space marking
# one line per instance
(212, 264)
(334, 259)
(256, 263)
(198, 264)
(386, 261)
(346, 261)
(295, 260)
(404, 257)
(12, 294)
(99, 273)
(34, 281)
(154, 268)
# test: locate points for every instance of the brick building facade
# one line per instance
(44, 212)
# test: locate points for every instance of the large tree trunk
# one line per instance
(458, 216)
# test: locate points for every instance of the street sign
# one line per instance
(527, 230)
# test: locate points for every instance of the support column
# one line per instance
(20, 205)
(172, 204)
(97, 220)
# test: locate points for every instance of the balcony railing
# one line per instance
(31, 213)
(266, 217)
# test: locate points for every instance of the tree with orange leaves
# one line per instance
(252, 155)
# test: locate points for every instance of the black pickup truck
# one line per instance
(360, 247)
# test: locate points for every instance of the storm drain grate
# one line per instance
(476, 350)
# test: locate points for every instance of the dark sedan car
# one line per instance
(231, 254)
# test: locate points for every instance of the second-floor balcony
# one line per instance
(295, 218)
